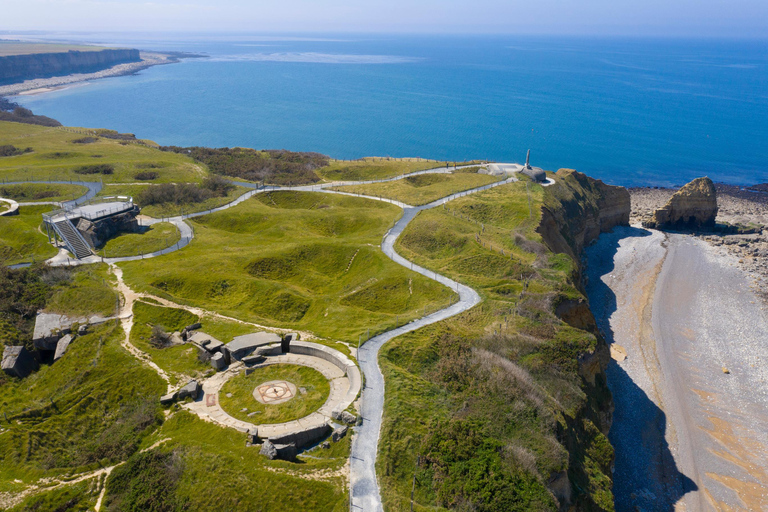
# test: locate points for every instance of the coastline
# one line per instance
(57, 83)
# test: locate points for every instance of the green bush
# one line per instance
(147, 482)
(96, 169)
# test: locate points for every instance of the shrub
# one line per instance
(146, 175)
(8, 150)
(85, 140)
(146, 483)
(96, 169)
(160, 338)
(23, 115)
(280, 167)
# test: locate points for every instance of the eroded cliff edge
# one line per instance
(17, 68)
(576, 210)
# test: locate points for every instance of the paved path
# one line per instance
(687, 435)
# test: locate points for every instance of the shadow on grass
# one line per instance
(645, 474)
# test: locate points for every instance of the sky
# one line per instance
(674, 18)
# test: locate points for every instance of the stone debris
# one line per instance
(218, 361)
(348, 418)
(169, 398)
(61, 346)
(18, 361)
(192, 389)
(339, 433)
(274, 451)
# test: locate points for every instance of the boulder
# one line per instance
(192, 389)
(18, 361)
(348, 418)
(339, 433)
(61, 346)
(278, 451)
(82, 330)
(169, 398)
(692, 207)
(218, 361)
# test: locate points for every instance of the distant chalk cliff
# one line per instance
(17, 68)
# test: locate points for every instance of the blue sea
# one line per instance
(628, 111)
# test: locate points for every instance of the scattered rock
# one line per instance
(192, 389)
(339, 433)
(278, 451)
(244, 409)
(169, 398)
(303, 391)
(268, 450)
(618, 353)
(229, 395)
(61, 346)
(18, 361)
(348, 418)
(82, 330)
(326, 445)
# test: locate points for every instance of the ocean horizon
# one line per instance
(630, 111)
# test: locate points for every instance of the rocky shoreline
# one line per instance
(745, 206)
(42, 85)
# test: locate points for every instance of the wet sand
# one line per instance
(688, 436)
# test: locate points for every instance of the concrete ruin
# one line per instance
(246, 344)
(18, 361)
(536, 174)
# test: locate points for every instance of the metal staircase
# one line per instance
(72, 238)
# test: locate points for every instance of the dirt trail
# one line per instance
(690, 421)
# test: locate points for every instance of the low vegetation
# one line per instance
(96, 169)
(185, 193)
(277, 167)
(13, 112)
(9, 150)
(422, 188)
(312, 390)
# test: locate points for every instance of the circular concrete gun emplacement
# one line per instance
(321, 375)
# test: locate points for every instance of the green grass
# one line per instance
(90, 408)
(374, 168)
(55, 157)
(422, 188)
(88, 292)
(30, 192)
(294, 260)
(241, 388)
(504, 374)
(245, 480)
(21, 239)
(155, 238)
(179, 361)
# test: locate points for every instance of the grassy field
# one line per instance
(8, 48)
(422, 188)
(31, 192)
(492, 396)
(20, 238)
(315, 385)
(374, 168)
(56, 156)
(155, 238)
(295, 260)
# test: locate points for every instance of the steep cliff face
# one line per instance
(17, 68)
(577, 209)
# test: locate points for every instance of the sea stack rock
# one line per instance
(694, 206)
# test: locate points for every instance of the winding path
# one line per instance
(364, 487)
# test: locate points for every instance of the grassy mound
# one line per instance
(155, 238)
(316, 389)
(423, 188)
(293, 260)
